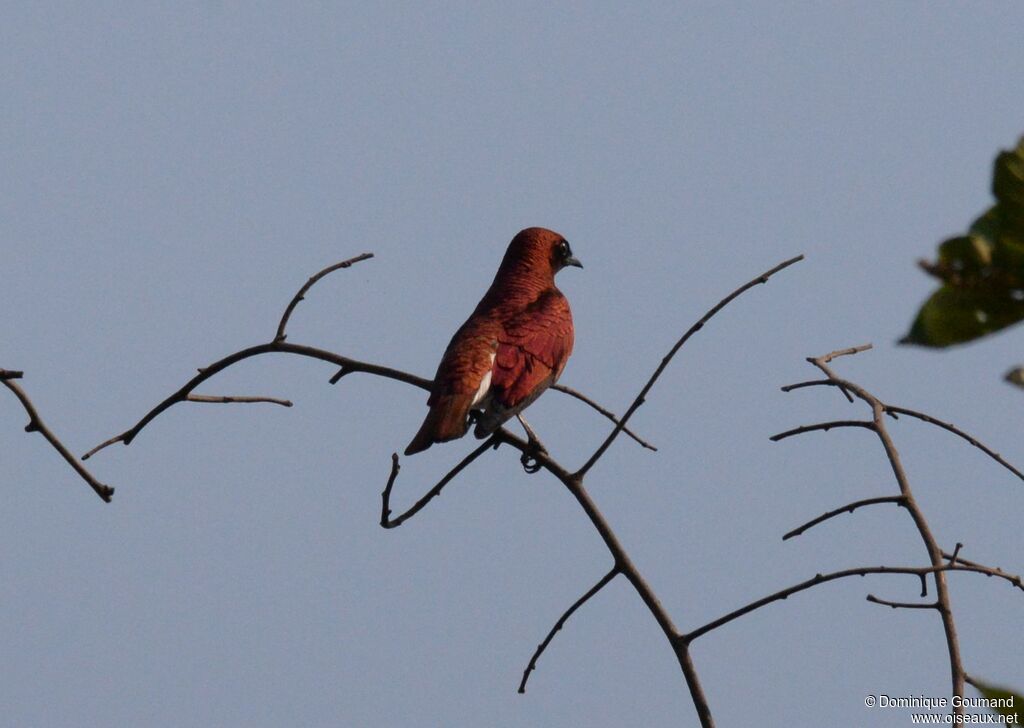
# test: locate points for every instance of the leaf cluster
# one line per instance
(981, 272)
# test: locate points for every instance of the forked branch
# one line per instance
(609, 415)
(385, 508)
(879, 410)
(535, 458)
(817, 579)
(279, 345)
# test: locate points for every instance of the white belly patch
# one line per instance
(485, 384)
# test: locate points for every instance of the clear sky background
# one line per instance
(172, 173)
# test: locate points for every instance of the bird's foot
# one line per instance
(534, 448)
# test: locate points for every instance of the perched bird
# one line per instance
(513, 346)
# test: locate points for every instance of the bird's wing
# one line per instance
(467, 360)
(462, 376)
(533, 347)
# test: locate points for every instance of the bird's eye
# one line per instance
(563, 249)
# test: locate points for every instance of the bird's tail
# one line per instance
(447, 420)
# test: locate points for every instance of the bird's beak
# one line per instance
(573, 262)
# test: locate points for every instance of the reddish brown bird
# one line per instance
(512, 348)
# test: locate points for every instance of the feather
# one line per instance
(510, 350)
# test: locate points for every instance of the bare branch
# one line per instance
(228, 399)
(823, 578)
(36, 424)
(822, 363)
(11, 374)
(339, 374)
(826, 426)
(955, 558)
(958, 432)
(763, 278)
(607, 413)
(901, 605)
(280, 336)
(280, 347)
(537, 457)
(385, 507)
(962, 564)
(561, 623)
(625, 566)
(810, 383)
(823, 360)
(347, 366)
(848, 508)
(943, 605)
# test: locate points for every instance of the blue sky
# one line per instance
(174, 172)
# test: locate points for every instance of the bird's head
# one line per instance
(540, 251)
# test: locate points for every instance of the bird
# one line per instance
(511, 348)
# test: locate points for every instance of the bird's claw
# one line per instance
(530, 462)
(530, 458)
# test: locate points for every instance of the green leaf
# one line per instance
(1005, 702)
(1008, 177)
(970, 254)
(955, 315)
(982, 272)
(1008, 188)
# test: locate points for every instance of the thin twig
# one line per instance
(36, 424)
(848, 351)
(339, 374)
(848, 508)
(227, 399)
(964, 565)
(822, 363)
(385, 497)
(958, 561)
(280, 336)
(561, 623)
(943, 602)
(958, 432)
(625, 566)
(607, 413)
(763, 278)
(279, 347)
(901, 605)
(11, 374)
(811, 383)
(817, 579)
(826, 426)
(572, 481)
(878, 413)
(956, 558)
